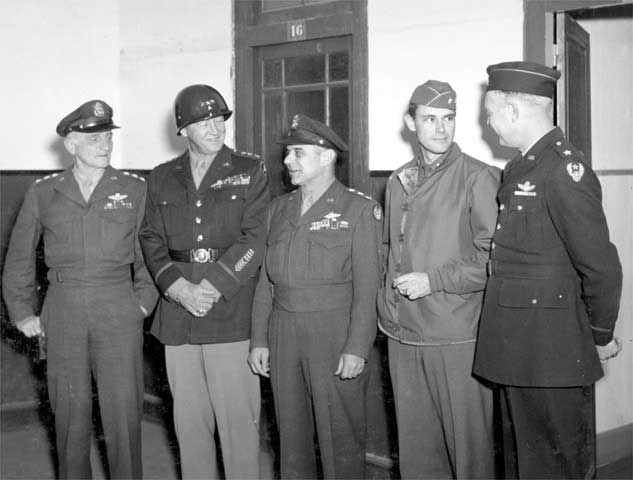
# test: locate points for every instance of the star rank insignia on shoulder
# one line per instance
(47, 177)
(133, 175)
(353, 190)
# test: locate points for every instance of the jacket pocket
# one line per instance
(533, 293)
(117, 236)
(329, 256)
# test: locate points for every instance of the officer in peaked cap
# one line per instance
(92, 116)
(92, 317)
(314, 317)
(203, 239)
(433, 292)
(553, 294)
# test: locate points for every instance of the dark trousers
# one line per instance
(548, 432)
(305, 349)
(95, 332)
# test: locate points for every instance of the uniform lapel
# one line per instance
(68, 186)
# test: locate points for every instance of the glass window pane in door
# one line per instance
(272, 152)
(307, 102)
(305, 69)
(339, 122)
(272, 73)
(339, 66)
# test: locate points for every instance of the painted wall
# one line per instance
(611, 45)
(136, 55)
(452, 41)
(55, 55)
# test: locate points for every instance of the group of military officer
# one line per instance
(291, 286)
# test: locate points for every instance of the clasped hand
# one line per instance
(197, 299)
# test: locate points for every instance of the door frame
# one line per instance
(254, 28)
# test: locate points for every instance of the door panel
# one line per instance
(574, 89)
(311, 78)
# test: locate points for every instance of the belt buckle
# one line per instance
(200, 255)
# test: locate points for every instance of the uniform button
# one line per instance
(199, 203)
(493, 245)
(200, 238)
(519, 207)
(498, 226)
(233, 197)
(534, 301)
(198, 220)
(405, 207)
(502, 206)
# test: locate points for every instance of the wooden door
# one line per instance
(311, 78)
(573, 100)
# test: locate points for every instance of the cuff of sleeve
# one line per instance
(147, 300)
(222, 278)
(19, 315)
(355, 348)
(602, 338)
(167, 277)
(435, 281)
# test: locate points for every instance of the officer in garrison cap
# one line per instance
(92, 316)
(555, 281)
(203, 239)
(314, 319)
(441, 214)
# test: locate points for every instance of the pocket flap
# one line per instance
(528, 293)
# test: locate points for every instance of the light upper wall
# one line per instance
(55, 56)
(411, 41)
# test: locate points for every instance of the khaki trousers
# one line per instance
(213, 388)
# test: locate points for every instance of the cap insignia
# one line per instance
(295, 122)
(98, 110)
(575, 170)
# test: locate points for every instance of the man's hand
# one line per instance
(196, 299)
(610, 350)
(204, 283)
(413, 285)
(30, 326)
(258, 360)
(349, 366)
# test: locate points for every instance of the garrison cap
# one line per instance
(92, 116)
(524, 77)
(434, 93)
(306, 131)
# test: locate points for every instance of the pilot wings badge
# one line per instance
(525, 189)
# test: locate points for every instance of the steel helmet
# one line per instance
(199, 102)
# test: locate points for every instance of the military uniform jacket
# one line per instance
(441, 224)
(88, 243)
(228, 213)
(556, 279)
(324, 260)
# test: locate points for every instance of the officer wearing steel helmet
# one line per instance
(203, 237)
(92, 316)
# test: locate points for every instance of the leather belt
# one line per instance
(196, 255)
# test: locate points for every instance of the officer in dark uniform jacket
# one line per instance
(204, 238)
(93, 313)
(314, 311)
(555, 281)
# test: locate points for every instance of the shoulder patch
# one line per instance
(575, 171)
(377, 212)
